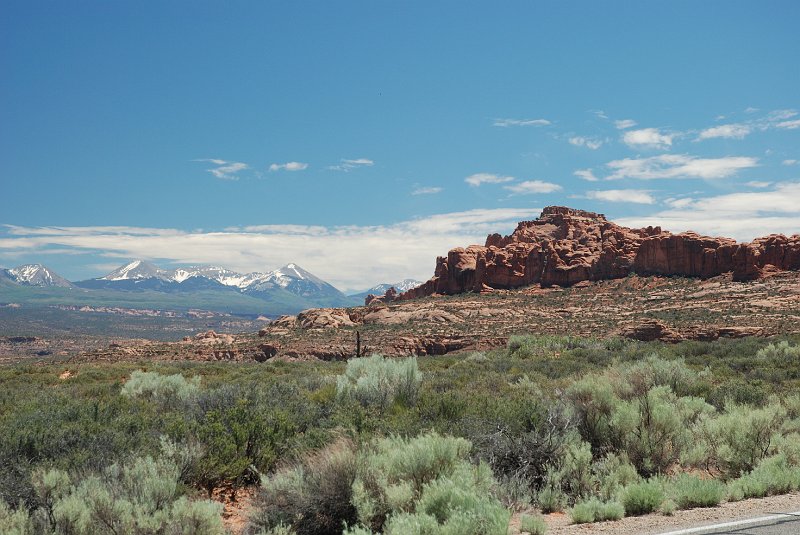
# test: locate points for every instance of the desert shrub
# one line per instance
(655, 428)
(575, 472)
(163, 388)
(593, 510)
(691, 491)
(314, 497)
(138, 497)
(533, 524)
(643, 497)
(593, 403)
(520, 453)
(739, 438)
(378, 381)
(551, 498)
(407, 482)
(773, 475)
(244, 430)
(637, 378)
(15, 522)
(778, 352)
(613, 473)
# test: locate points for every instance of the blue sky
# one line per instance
(361, 139)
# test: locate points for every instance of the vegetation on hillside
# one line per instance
(596, 428)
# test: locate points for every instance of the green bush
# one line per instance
(403, 483)
(15, 522)
(642, 498)
(773, 475)
(314, 497)
(742, 436)
(593, 510)
(163, 388)
(378, 381)
(779, 352)
(551, 498)
(691, 491)
(533, 524)
(141, 497)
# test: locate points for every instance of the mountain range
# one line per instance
(138, 283)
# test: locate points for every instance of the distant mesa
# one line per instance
(565, 246)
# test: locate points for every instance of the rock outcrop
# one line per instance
(565, 246)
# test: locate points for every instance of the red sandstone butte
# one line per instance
(565, 246)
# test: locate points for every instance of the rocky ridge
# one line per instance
(565, 246)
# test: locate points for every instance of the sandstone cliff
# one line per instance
(565, 246)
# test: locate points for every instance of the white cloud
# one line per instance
(288, 166)
(647, 138)
(789, 125)
(586, 174)
(350, 257)
(426, 190)
(520, 122)
(590, 143)
(730, 131)
(487, 178)
(225, 170)
(758, 184)
(790, 162)
(350, 164)
(532, 186)
(680, 203)
(781, 115)
(625, 123)
(622, 195)
(742, 216)
(679, 166)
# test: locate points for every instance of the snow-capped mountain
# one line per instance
(222, 275)
(380, 289)
(36, 275)
(285, 283)
(294, 279)
(136, 270)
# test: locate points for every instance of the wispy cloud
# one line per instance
(588, 142)
(636, 196)
(789, 125)
(758, 184)
(350, 164)
(422, 190)
(790, 162)
(288, 166)
(487, 178)
(225, 170)
(586, 174)
(647, 138)
(520, 122)
(678, 166)
(532, 186)
(624, 123)
(743, 216)
(350, 257)
(729, 131)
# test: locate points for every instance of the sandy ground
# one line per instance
(559, 524)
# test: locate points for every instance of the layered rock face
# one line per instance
(565, 246)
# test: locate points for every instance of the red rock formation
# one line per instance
(565, 246)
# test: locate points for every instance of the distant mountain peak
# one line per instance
(134, 270)
(37, 275)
